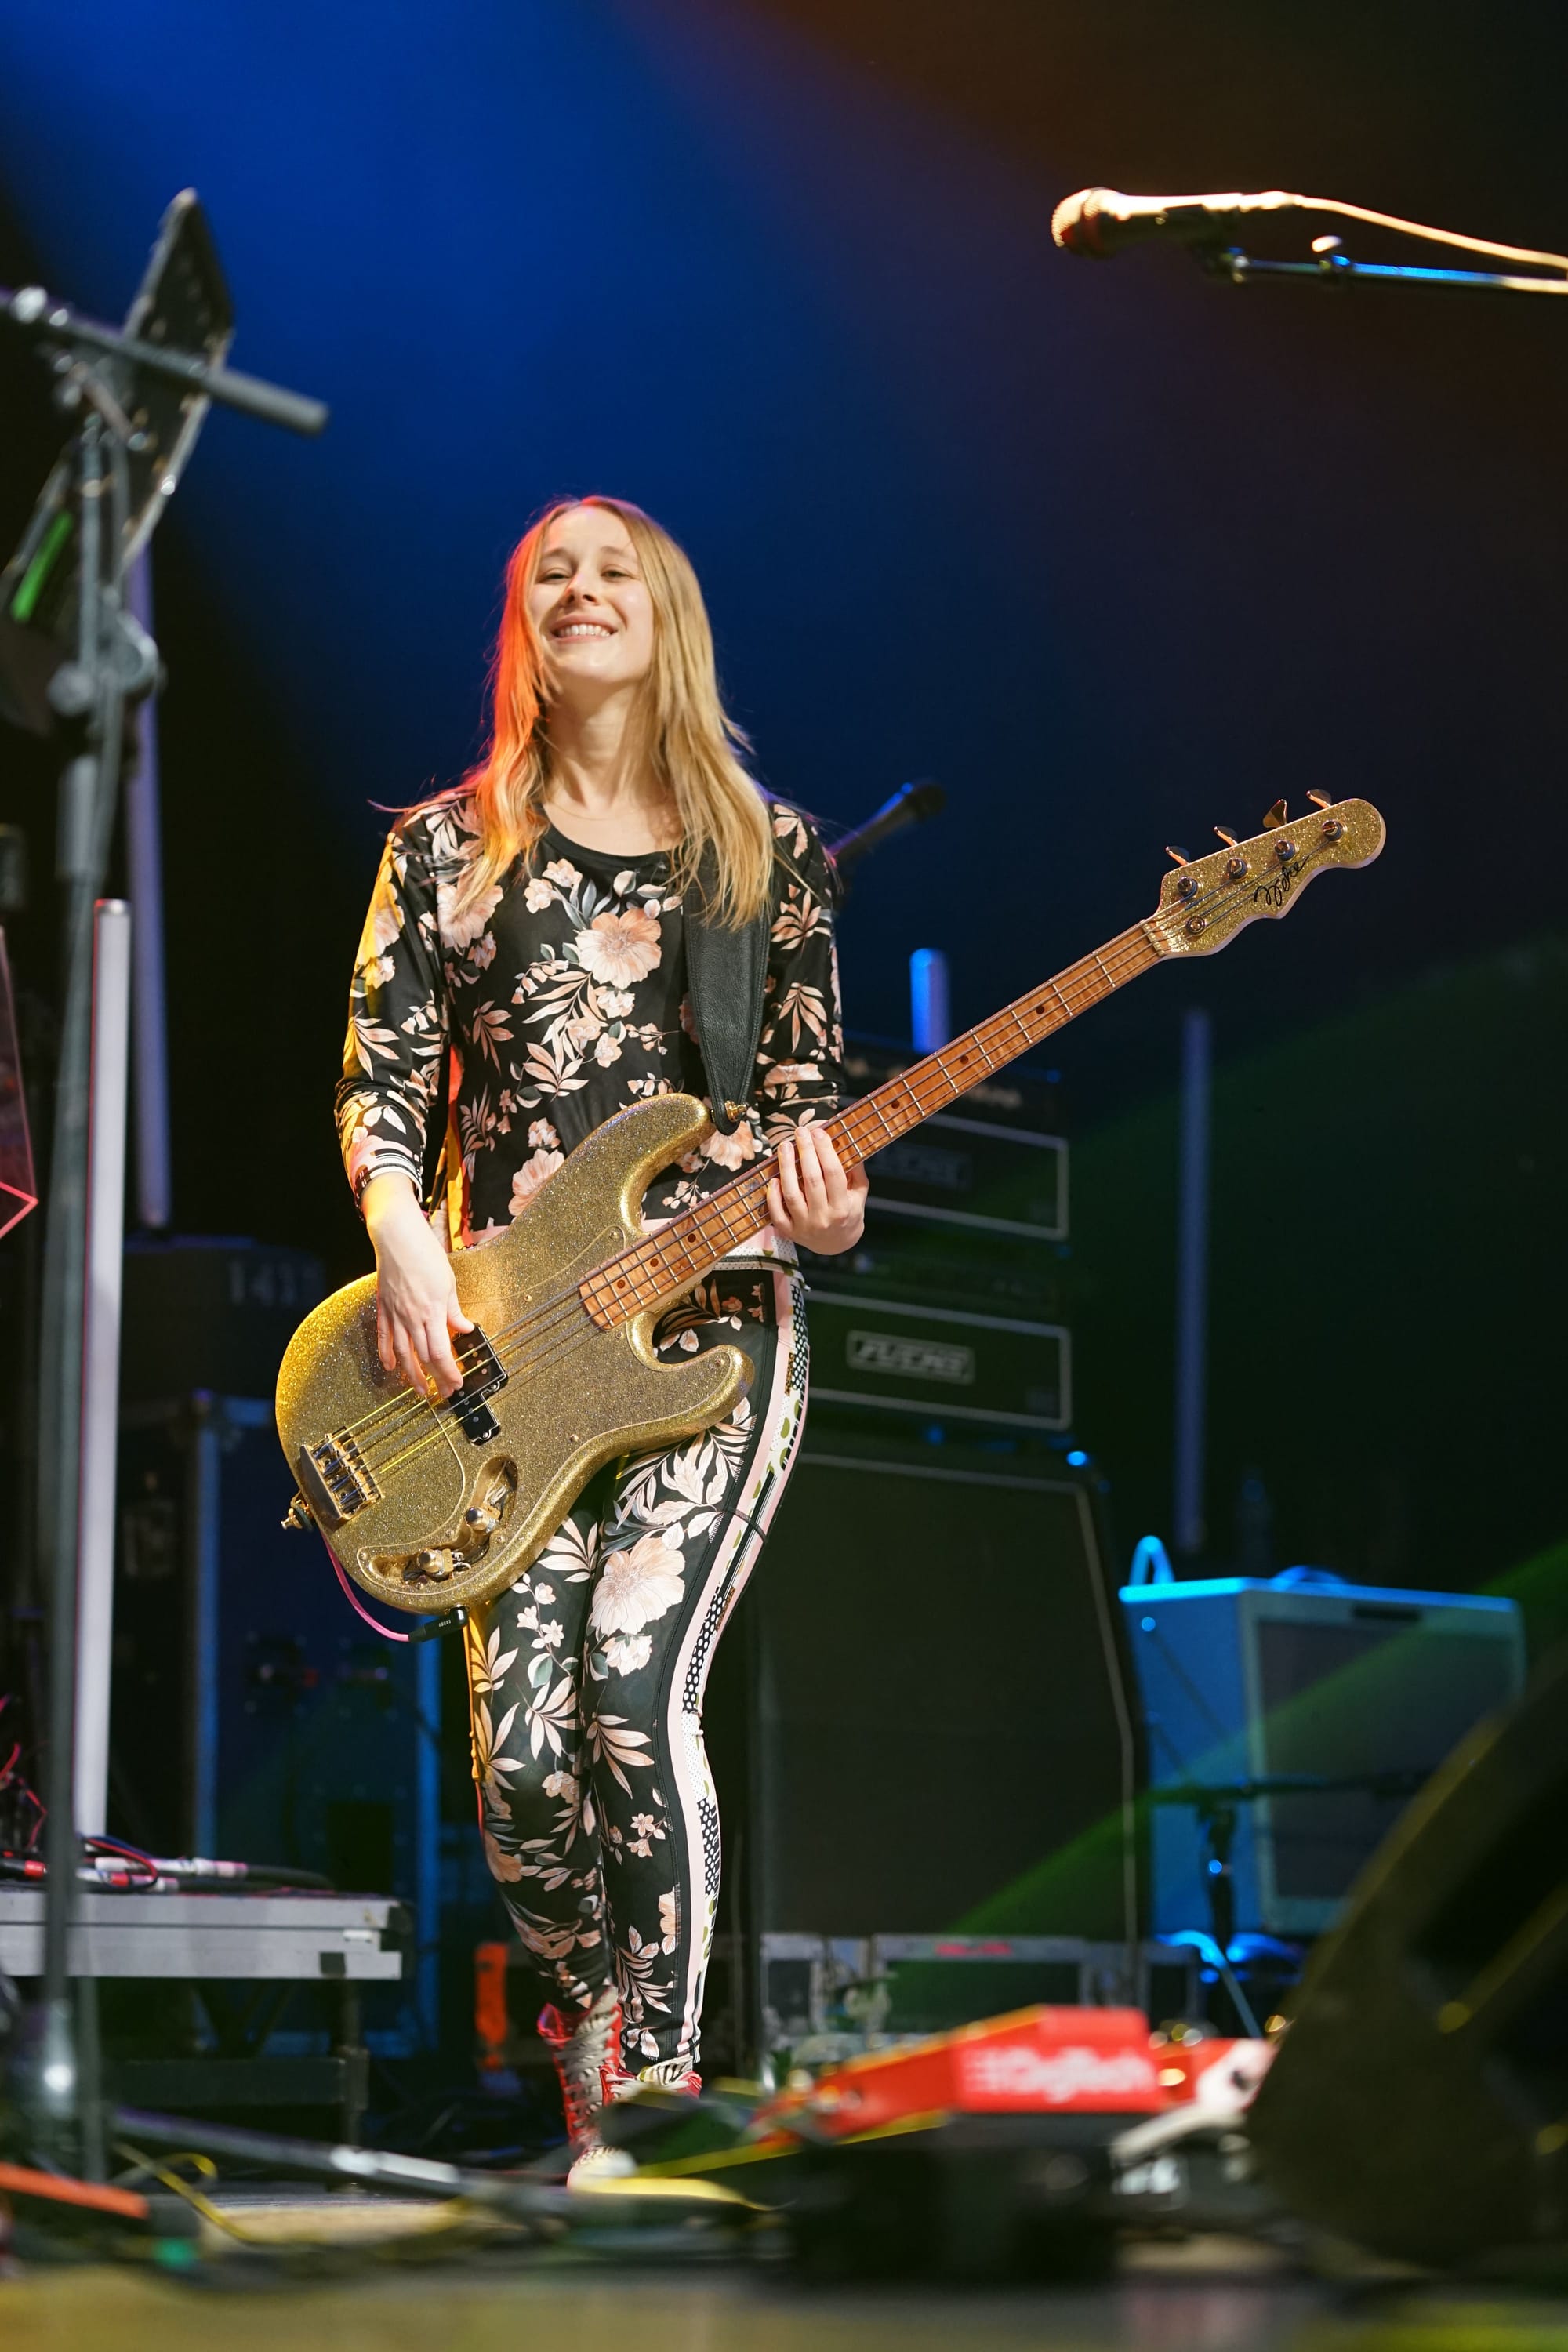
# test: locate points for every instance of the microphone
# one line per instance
(1097, 222)
(911, 804)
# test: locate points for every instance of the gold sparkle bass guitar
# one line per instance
(427, 1501)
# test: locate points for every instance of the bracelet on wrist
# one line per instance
(367, 1176)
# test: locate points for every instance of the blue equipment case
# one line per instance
(1245, 1680)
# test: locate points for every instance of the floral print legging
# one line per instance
(586, 1682)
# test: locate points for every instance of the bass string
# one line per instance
(553, 1356)
(1115, 968)
(409, 1407)
(563, 1309)
(468, 1357)
(559, 1307)
(437, 1435)
(403, 1411)
(563, 1343)
(549, 1343)
(855, 1123)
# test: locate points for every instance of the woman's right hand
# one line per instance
(417, 1309)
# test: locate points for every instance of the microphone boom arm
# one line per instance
(912, 804)
(1333, 265)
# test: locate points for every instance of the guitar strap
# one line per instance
(727, 971)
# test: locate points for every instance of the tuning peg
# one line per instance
(1187, 887)
(1235, 867)
(1323, 800)
(1276, 816)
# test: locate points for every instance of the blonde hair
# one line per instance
(692, 745)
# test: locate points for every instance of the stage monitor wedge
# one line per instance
(1419, 2103)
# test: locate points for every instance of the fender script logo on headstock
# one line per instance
(1274, 893)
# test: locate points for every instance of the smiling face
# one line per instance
(590, 607)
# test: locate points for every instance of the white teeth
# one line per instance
(583, 629)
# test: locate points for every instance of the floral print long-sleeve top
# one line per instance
(563, 992)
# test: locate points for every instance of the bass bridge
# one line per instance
(336, 1481)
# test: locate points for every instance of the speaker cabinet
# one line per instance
(924, 1724)
(253, 1716)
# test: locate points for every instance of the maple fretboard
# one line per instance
(666, 1263)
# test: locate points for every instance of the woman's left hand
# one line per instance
(815, 1199)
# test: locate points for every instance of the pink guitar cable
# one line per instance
(457, 1616)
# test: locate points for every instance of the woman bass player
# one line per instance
(536, 921)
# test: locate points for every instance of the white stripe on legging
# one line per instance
(732, 1563)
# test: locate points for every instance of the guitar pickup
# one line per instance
(483, 1377)
(335, 1479)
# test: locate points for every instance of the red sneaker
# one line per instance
(586, 2049)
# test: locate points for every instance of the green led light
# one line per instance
(24, 602)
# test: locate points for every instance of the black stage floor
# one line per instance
(1201, 2295)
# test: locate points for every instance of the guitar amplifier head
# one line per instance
(920, 1264)
(931, 1362)
(991, 1168)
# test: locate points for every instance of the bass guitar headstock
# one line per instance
(1207, 900)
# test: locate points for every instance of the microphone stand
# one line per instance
(1335, 267)
(55, 325)
(113, 663)
(913, 803)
